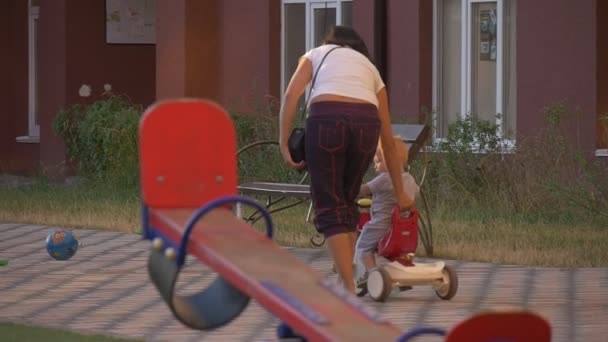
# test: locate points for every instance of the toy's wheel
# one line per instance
(317, 240)
(379, 284)
(449, 284)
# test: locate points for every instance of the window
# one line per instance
(474, 63)
(305, 23)
(33, 133)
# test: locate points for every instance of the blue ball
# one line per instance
(61, 244)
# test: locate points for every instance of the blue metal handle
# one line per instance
(421, 331)
(181, 253)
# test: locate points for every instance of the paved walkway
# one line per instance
(105, 289)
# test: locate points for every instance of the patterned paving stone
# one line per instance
(105, 289)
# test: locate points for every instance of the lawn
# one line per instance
(461, 237)
(19, 333)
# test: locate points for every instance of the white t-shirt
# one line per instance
(344, 72)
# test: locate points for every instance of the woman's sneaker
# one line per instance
(361, 285)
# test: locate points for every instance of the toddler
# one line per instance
(383, 202)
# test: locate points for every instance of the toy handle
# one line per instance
(404, 213)
(364, 202)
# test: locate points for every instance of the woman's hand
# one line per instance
(404, 202)
(287, 158)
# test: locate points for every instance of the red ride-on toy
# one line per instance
(398, 247)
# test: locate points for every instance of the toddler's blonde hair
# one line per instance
(401, 150)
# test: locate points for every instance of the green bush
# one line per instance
(544, 178)
(102, 139)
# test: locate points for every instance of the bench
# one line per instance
(276, 193)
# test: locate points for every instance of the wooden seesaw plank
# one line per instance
(187, 159)
(265, 272)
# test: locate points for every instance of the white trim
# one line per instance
(464, 58)
(508, 147)
(499, 65)
(601, 152)
(468, 64)
(26, 139)
(311, 17)
(33, 15)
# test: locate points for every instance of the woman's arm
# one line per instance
(390, 153)
(297, 85)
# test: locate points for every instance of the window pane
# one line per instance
(449, 60)
(295, 37)
(347, 14)
(295, 41)
(483, 60)
(324, 19)
(483, 68)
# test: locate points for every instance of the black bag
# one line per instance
(297, 138)
(297, 144)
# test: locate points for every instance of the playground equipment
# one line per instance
(398, 247)
(189, 189)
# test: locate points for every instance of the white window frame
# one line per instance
(466, 64)
(309, 20)
(467, 59)
(601, 152)
(33, 129)
(337, 5)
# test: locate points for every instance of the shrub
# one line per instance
(102, 139)
(545, 178)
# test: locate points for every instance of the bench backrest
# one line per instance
(414, 136)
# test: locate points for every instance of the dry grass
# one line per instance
(73, 207)
(497, 242)
(493, 241)
(522, 244)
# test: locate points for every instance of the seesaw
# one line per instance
(189, 186)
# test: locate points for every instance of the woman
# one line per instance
(348, 112)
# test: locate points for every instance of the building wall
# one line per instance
(369, 20)
(602, 73)
(188, 49)
(128, 68)
(14, 156)
(556, 58)
(72, 41)
(409, 58)
(250, 63)
(227, 51)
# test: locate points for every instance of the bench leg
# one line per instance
(239, 210)
(309, 214)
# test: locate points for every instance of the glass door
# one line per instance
(484, 62)
(474, 58)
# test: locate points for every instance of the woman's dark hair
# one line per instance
(346, 36)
